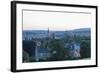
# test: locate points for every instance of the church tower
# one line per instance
(48, 32)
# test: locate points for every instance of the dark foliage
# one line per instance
(29, 47)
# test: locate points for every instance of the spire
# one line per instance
(48, 30)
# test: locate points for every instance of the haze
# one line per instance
(38, 20)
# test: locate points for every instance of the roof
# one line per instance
(43, 50)
(74, 45)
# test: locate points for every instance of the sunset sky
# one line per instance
(39, 20)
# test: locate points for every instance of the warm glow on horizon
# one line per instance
(38, 20)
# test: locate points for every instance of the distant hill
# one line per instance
(82, 32)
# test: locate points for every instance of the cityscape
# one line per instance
(50, 45)
(55, 36)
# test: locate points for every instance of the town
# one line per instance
(48, 45)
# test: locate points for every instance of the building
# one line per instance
(42, 54)
(74, 50)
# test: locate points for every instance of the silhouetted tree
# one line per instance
(85, 49)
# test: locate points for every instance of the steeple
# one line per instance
(48, 30)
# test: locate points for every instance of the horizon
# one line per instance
(56, 30)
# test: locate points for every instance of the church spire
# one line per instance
(48, 30)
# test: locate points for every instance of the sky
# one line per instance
(39, 20)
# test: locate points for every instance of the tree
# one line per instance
(25, 56)
(29, 46)
(58, 46)
(85, 49)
